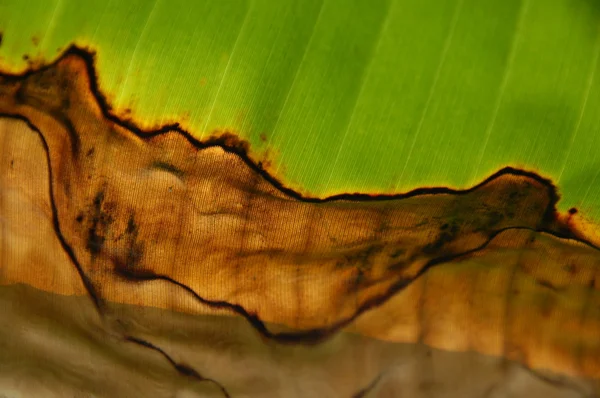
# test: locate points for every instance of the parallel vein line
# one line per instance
(364, 78)
(505, 77)
(226, 70)
(135, 50)
(586, 95)
(433, 86)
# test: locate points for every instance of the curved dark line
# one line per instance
(186, 370)
(310, 336)
(241, 147)
(569, 236)
(88, 284)
(369, 387)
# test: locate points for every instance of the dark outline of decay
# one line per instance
(241, 149)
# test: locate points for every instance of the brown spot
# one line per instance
(35, 40)
(571, 269)
(100, 221)
(546, 284)
(168, 167)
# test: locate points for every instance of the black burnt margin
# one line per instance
(231, 143)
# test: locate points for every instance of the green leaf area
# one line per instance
(344, 96)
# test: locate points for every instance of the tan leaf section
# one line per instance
(92, 205)
(57, 346)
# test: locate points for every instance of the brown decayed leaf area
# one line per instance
(91, 205)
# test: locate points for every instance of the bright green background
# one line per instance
(368, 95)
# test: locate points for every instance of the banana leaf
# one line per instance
(300, 198)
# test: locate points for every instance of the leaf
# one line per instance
(376, 97)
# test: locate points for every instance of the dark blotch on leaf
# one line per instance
(169, 168)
